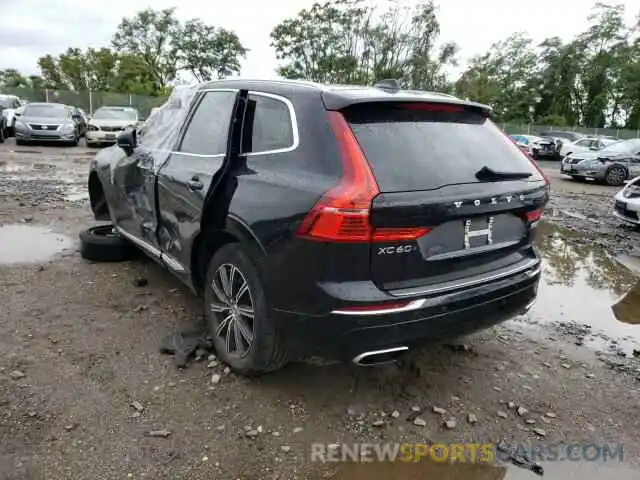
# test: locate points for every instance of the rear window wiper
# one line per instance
(487, 174)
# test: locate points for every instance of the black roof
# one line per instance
(336, 97)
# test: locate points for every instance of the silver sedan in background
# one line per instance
(613, 165)
(47, 122)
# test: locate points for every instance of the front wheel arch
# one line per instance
(97, 198)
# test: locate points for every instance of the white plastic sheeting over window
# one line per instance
(159, 133)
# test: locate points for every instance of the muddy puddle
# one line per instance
(565, 470)
(30, 244)
(586, 292)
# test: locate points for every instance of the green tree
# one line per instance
(51, 73)
(347, 41)
(560, 66)
(164, 47)
(208, 52)
(12, 78)
(505, 78)
(150, 35)
(604, 44)
(74, 69)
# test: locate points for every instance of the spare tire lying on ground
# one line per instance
(104, 244)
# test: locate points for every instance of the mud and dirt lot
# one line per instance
(86, 394)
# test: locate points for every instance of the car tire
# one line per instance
(3, 134)
(11, 130)
(103, 244)
(578, 178)
(20, 142)
(250, 346)
(615, 176)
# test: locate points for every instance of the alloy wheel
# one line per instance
(615, 176)
(232, 306)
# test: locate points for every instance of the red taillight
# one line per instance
(395, 234)
(432, 107)
(534, 215)
(342, 214)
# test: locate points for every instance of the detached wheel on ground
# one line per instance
(615, 176)
(245, 336)
(104, 244)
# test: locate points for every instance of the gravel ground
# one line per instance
(85, 393)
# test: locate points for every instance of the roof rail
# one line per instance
(388, 84)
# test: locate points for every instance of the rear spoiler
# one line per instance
(342, 100)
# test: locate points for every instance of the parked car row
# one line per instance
(60, 123)
(557, 144)
(613, 164)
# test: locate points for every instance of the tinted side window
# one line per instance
(271, 125)
(208, 129)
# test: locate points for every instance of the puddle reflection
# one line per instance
(30, 243)
(583, 284)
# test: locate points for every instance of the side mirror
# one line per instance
(17, 114)
(594, 147)
(128, 141)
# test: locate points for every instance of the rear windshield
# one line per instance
(410, 148)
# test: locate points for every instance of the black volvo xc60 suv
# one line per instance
(342, 221)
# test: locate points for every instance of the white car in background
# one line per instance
(585, 145)
(11, 104)
(107, 123)
(627, 203)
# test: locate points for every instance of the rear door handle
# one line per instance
(195, 184)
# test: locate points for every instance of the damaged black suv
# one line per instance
(340, 221)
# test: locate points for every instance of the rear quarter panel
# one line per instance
(271, 194)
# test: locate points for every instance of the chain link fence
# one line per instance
(622, 134)
(89, 101)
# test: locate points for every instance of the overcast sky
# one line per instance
(32, 28)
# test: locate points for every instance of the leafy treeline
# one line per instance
(591, 81)
(147, 53)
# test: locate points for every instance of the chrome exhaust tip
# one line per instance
(379, 357)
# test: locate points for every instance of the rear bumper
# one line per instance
(439, 317)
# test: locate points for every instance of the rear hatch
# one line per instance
(450, 169)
